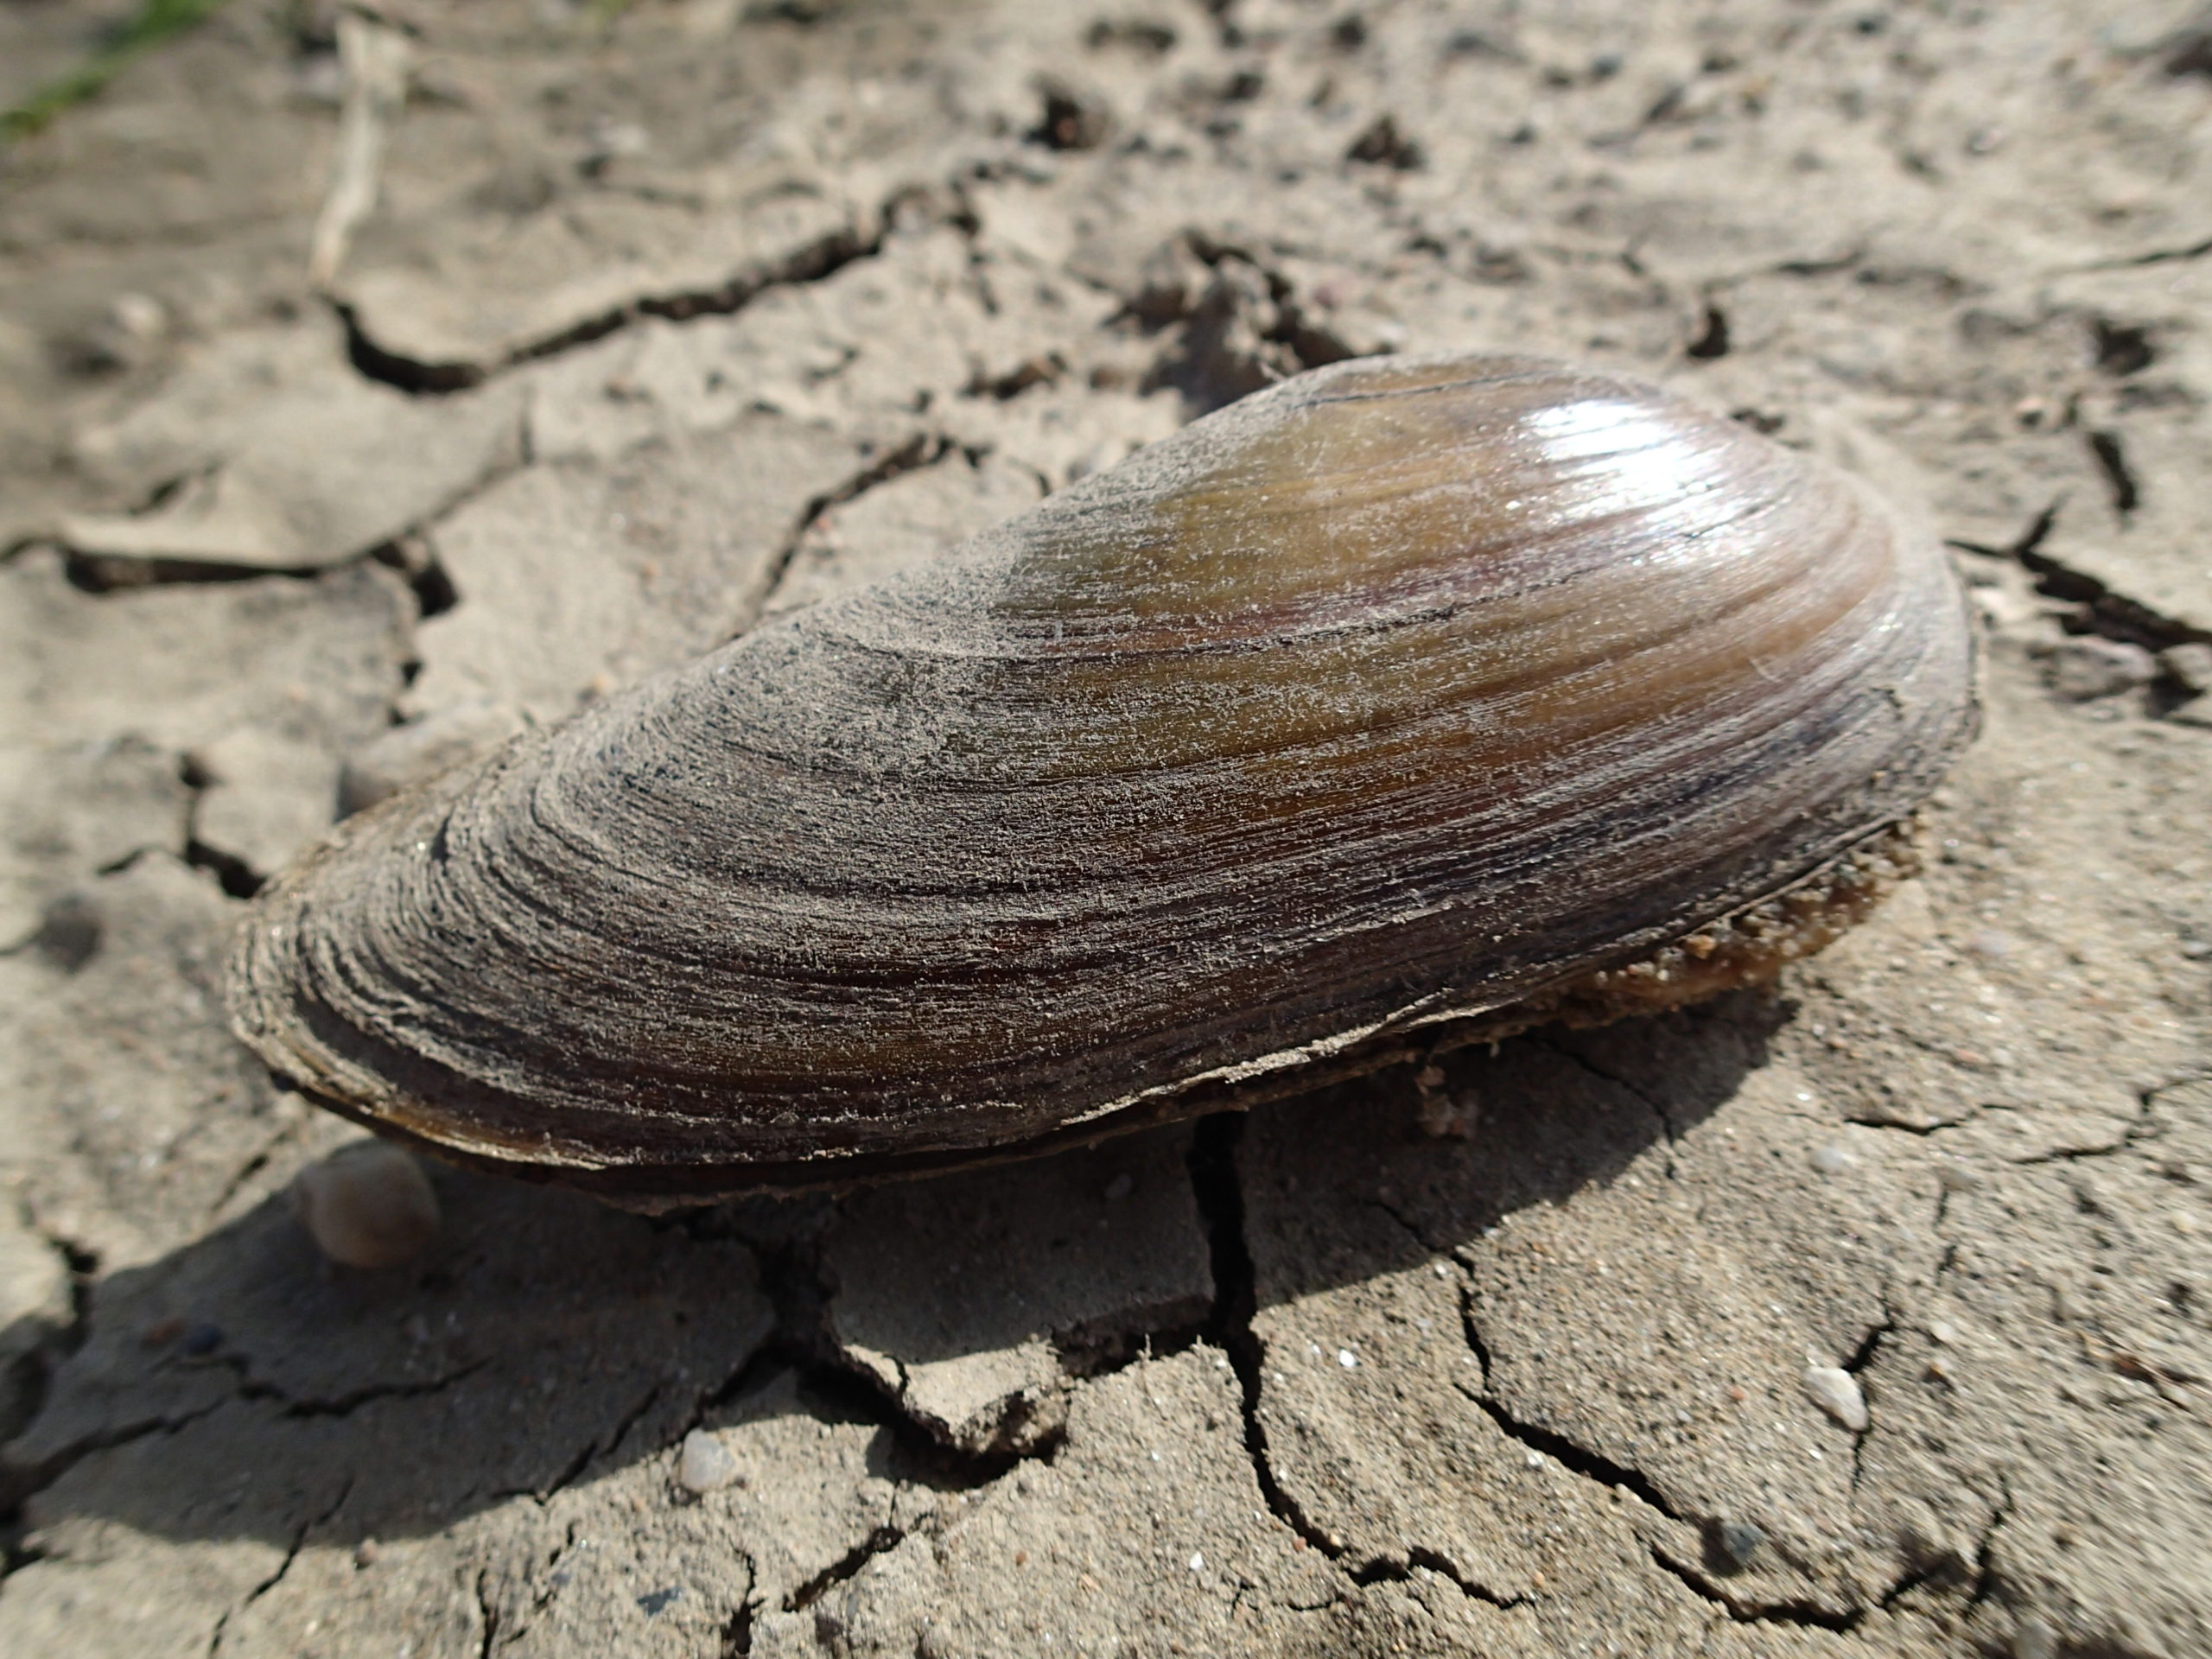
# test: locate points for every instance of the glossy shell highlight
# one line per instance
(1404, 702)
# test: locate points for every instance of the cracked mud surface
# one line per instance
(677, 315)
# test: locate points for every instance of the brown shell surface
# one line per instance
(1390, 699)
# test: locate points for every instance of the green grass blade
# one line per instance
(155, 22)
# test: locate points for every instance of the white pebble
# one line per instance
(1992, 945)
(1836, 1392)
(367, 1206)
(1834, 1158)
(1348, 1359)
(144, 318)
(703, 1464)
(1197, 1561)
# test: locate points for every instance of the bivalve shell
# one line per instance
(1410, 701)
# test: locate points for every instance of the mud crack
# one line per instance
(600, 1445)
(345, 1405)
(802, 1344)
(884, 1538)
(918, 451)
(292, 1549)
(2144, 1127)
(20, 1482)
(1594, 1467)
(2152, 257)
(1589, 1465)
(2099, 608)
(810, 262)
(1387, 1571)
(1220, 1196)
(1582, 1062)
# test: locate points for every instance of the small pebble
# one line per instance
(1734, 1544)
(1348, 1359)
(1992, 945)
(704, 1464)
(1119, 1187)
(1944, 1332)
(2033, 1639)
(1834, 1158)
(366, 1552)
(70, 929)
(1836, 1392)
(1957, 1177)
(140, 315)
(2188, 666)
(367, 1206)
(200, 1340)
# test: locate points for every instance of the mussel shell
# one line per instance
(1377, 703)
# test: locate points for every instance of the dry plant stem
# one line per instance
(374, 56)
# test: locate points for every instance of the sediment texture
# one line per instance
(672, 316)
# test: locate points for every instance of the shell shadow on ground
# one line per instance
(548, 1341)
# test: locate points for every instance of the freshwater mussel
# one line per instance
(1410, 702)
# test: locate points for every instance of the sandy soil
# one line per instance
(673, 315)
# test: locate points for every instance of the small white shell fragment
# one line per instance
(703, 1464)
(1836, 1392)
(1834, 1159)
(1348, 1359)
(367, 1206)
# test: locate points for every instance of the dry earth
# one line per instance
(672, 313)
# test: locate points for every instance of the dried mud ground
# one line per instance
(671, 314)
